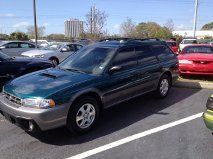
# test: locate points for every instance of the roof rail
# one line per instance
(129, 39)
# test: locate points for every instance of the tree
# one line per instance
(4, 36)
(208, 26)
(18, 36)
(95, 22)
(128, 28)
(169, 25)
(31, 31)
(56, 37)
(152, 30)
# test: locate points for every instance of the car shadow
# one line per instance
(118, 117)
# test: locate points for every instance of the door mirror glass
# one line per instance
(114, 69)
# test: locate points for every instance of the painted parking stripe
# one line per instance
(134, 137)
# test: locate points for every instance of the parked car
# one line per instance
(40, 43)
(54, 52)
(11, 68)
(98, 76)
(208, 115)
(173, 46)
(15, 48)
(196, 59)
(186, 42)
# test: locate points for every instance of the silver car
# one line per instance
(55, 52)
(15, 48)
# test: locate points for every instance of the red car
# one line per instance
(196, 59)
(173, 46)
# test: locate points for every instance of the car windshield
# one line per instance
(90, 59)
(198, 49)
(190, 42)
(52, 47)
(3, 56)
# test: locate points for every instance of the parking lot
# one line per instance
(187, 139)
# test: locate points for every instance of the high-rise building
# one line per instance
(73, 28)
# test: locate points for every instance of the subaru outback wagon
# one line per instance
(96, 77)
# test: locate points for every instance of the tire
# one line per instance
(80, 120)
(54, 60)
(164, 86)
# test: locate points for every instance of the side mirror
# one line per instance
(64, 49)
(114, 69)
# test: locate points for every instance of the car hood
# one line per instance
(196, 57)
(37, 52)
(45, 83)
(27, 60)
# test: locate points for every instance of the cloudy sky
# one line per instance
(18, 14)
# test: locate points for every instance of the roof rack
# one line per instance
(129, 39)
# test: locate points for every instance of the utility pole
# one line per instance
(35, 22)
(91, 20)
(195, 18)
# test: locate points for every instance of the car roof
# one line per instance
(120, 42)
(199, 45)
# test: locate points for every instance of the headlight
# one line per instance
(209, 104)
(185, 62)
(39, 56)
(38, 103)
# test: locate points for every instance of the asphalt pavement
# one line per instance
(189, 139)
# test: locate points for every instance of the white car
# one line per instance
(186, 42)
(54, 52)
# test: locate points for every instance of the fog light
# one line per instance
(31, 126)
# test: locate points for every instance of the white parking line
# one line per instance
(1, 120)
(134, 137)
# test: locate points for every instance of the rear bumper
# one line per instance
(43, 119)
(208, 119)
(195, 70)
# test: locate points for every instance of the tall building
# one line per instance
(73, 28)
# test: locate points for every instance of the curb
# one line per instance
(182, 83)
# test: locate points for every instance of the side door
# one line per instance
(25, 47)
(70, 49)
(11, 49)
(168, 60)
(119, 85)
(148, 70)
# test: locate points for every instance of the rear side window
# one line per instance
(145, 55)
(162, 51)
(125, 58)
(12, 45)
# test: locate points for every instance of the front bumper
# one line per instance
(208, 119)
(43, 119)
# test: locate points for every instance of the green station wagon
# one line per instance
(96, 77)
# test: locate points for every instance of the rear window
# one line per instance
(198, 49)
(190, 42)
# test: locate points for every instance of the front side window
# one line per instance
(198, 49)
(125, 58)
(24, 45)
(91, 60)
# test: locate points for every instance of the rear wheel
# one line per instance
(83, 115)
(164, 86)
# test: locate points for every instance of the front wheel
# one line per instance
(83, 115)
(164, 86)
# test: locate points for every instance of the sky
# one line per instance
(18, 14)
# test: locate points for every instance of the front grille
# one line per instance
(12, 98)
